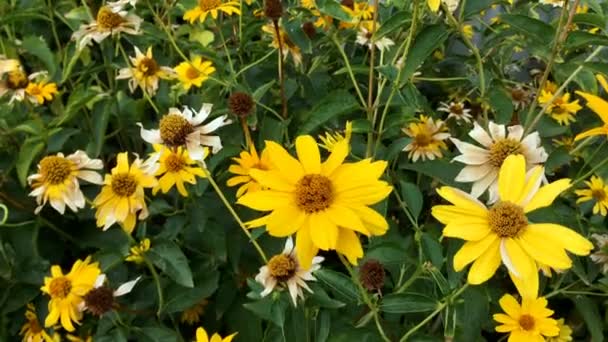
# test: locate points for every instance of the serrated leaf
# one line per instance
(337, 103)
(171, 260)
(400, 303)
(427, 41)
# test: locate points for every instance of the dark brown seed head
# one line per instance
(309, 29)
(371, 275)
(348, 3)
(99, 300)
(273, 9)
(241, 104)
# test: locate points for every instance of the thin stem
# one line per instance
(277, 32)
(370, 83)
(58, 230)
(411, 280)
(349, 69)
(219, 30)
(590, 158)
(254, 63)
(236, 217)
(595, 168)
(159, 289)
(5, 215)
(246, 132)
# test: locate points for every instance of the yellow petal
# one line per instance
(346, 218)
(531, 184)
(305, 249)
(323, 232)
(534, 242)
(470, 229)
(122, 163)
(448, 213)
(564, 237)
(527, 287)
(265, 200)
(510, 306)
(462, 200)
(471, 250)
(597, 104)
(336, 158)
(285, 221)
(349, 245)
(433, 4)
(516, 259)
(273, 179)
(485, 266)
(201, 335)
(308, 154)
(375, 223)
(512, 178)
(592, 132)
(285, 163)
(602, 80)
(547, 194)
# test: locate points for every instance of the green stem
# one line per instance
(349, 69)
(419, 270)
(159, 289)
(219, 30)
(58, 231)
(254, 63)
(5, 215)
(370, 85)
(595, 168)
(590, 158)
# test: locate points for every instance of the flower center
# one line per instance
(174, 163)
(99, 300)
(526, 322)
(282, 267)
(507, 219)
(518, 95)
(17, 79)
(423, 139)
(207, 5)
(123, 184)
(501, 149)
(108, 20)
(35, 327)
(60, 287)
(148, 67)
(34, 90)
(314, 193)
(192, 73)
(54, 169)
(174, 130)
(456, 109)
(599, 194)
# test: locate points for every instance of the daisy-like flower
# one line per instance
(483, 163)
(8, 64)
(184, 128)
(597, 190)
(213, 8)
(600, 107)
(192, 315)
(456, 110)
(554, 3)
(329, 141)
(31, 330)
(358, 10)
(561, 109)
(284, 270)
(528, 322)
(325, 204)
(289, 48)
(41, 91)
(600, 256)
(136, 253)
(365, 34)
(201, 336)
(122, 195)
(111, 20)
(20, 86)
(66, 292)
(246, 162)
(175, 169)
(194, 72)
(145, 72)
(427, 138)
(502, 233)
(57, 180)
(520, 97)
(564, 335)
(101, 298)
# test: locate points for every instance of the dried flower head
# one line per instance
(273, 9)
(241, 104)
(371, 275)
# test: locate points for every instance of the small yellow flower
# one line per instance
(41, 91)
(360, 11)
(194, 72)
(212, 7)
(565, 333)
(145, 72)
(192, 315)
(201, 336)
(427, 138)
(67, 291)
(530, 321)
(288, 46)
(329, 141)
(31, 330)
(598, 191)
(600, 107)
(136, 253)
(433, 5)
(246, 162)
(561, 109)
(176, 168)
(467, 31)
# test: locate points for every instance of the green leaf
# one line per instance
(320, 298)
(441, 169)
(591, 315)
(539, 31)
(425, 43)
(337, 103)
(340, 284)
(432, 249)
(400, 303)
(297, 35)
(501, 102)
(412, 197)
(397, 20)
(158, 334)
(38, 47)
(474, 7)
(578, 39)
(333, 9)
(101, 117)
(592, 19)
(269, 309)
(180, 298)
(28, 152)
(169, 257)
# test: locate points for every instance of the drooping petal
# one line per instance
(485, 266)
(471, 250)
(547, 194)
(323, 232)
(516, 259)
(305, 249)
(349, 245)
(308, 154)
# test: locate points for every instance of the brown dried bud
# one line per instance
(348, 3)
(371, 275)
(99, 300)
(273, 9)
(310, 29)
(241, 104)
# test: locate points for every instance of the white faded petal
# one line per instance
(480, 135)
(202, 114)
(126, 287)
(496, 131)
(99, 280)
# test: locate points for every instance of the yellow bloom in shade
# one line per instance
(122, 196)
(175, 168)
(136, 253)
(75, 338)
(41, 91)
(289, 48)
(427, 138)
(212, 7)
(201, 336)
(433, 5)
(529, 322)
(561, 109)
(324, 204)
(565, 333)
(145, 72)
(597, 191)
(194, 72)
(66, 292)
(467, 31)
(600, 107)
(32, 331)
(502, 233)
(359, 11)
(192, 315)
(246, 162)
(332, 138)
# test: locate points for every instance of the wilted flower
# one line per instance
(366, 33)
(241, 104)
(111, 20)
(288, 46)
(31, 330)
(600, 257)
(192, 315)
(136, 253)
(371, 275)
(145, 72)
(101, 298)
(427, 138)
(456, 110)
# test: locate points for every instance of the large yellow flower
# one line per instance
(176, 168)
(502, 233)
(529, 322)
(326, 204)
(213, 7)
(194, 73)
(246, 162)
(600, 107)
(66, 292)
(122, 196)
(32, 331)
(201, 336)
(597, 191)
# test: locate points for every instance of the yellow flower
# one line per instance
(136, 253)
(111, 20)
(122, 196)
(359, 11)
(41, 91)
(502, 232)
(600, 107)
(561, 109)
(527, 322)
(176, 168)
(565, 333)
(324, 204)
(201, 336)
(330, 139)
(213, 7)
(597, 191)
(193, 314)
(433, 4)
(288, 46)
(427, 138)
(467, 31)
(246, 162)
(194, 73)
(32, 331)
(74, 338)
(145, 72)
(66, 292)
